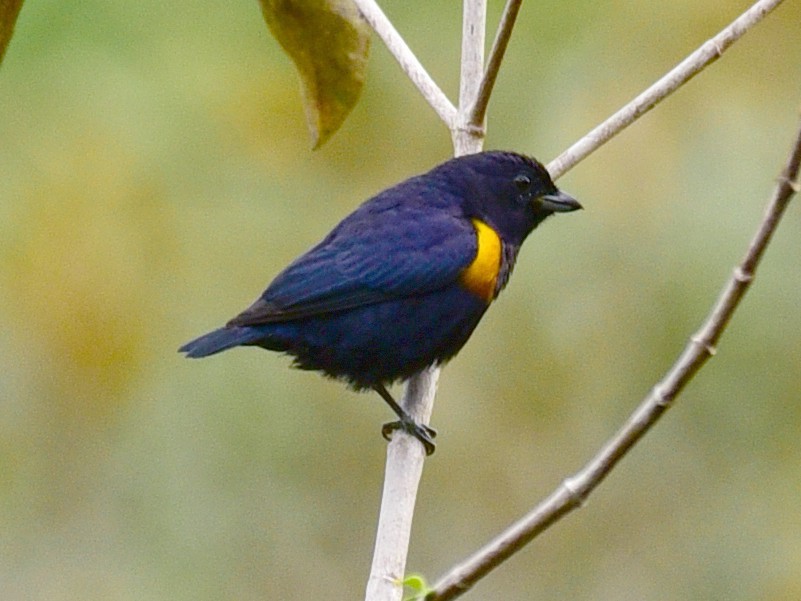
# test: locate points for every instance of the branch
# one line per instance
(467, 139)
(478, 112)
(404, 468)
(708, 53)
(474, 19)
(574, 490)
(405, 455)
(408, 61)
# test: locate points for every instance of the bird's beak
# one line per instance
(559, 202)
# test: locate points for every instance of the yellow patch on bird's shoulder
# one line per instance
(481, 276)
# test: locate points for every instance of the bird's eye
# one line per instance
(523, 182)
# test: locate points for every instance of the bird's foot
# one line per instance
(421, 432)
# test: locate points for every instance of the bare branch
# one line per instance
(404, 468)
(479, 110)
(709, 52)
(473, 30)
(699, 349)
(405, 455)
(408, 61)
(468, 139)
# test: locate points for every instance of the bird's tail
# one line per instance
(218, 341)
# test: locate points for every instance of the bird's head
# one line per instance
(510, 192)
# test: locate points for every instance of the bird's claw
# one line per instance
(421, 432)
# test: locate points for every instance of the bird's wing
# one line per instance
(374, 255)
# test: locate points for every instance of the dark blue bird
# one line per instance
(402, 282)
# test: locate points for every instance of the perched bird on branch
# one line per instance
(402, 282)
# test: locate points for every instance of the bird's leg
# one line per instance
(420, 431)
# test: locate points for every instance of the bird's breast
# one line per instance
(481, 276)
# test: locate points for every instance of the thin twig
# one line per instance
(701, 346)
(504, 33)
(402, 473)
(405, 455)
(474, 17)
(408, 61)
(467, 139)
(709, 52)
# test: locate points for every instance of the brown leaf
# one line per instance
(9, 9)
(329, 42)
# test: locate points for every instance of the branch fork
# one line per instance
(405, 455)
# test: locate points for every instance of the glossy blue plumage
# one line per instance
(380, 297)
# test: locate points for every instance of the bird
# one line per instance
(401, 283)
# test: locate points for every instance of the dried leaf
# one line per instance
(9, 9)
(329, 42)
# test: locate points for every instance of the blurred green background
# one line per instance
(155, 174)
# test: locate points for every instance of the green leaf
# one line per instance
(418, 586)
(9, 9)
(329, 42)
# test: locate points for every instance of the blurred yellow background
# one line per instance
(155, 174)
